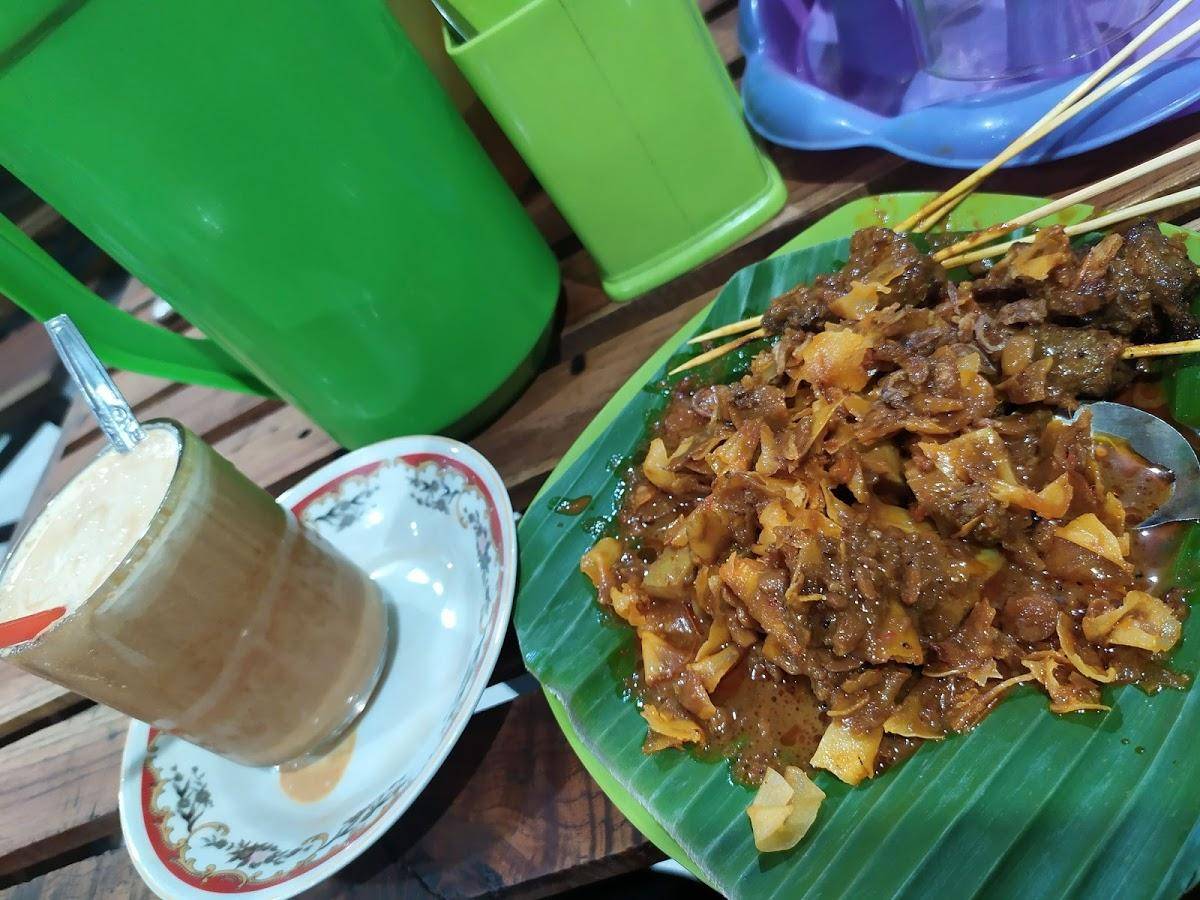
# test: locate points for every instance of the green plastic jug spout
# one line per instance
(39, 285)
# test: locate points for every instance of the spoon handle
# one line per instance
(110, 408)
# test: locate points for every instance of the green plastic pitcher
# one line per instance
(291, 178)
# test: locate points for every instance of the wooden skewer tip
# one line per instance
(1171, 348)
(1103, 221)
(725, 330)
(718, 352)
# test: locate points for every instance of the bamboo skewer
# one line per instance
(1098, 94)
(1112, 218)
(1121, 215)
(726, 330)
(718, 352)
(1102, 91)
(1171, 348)
(1067, 112)
(1139, 351)
(1072, 104)
(1084, 193)
(946, 255)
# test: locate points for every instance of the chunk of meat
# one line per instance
(1151, 280)
(1086, 362)
(888, 262)
(1030, 617)
(880, 254)
(1138, 283)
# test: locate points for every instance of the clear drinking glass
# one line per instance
(225, 623)
(974, 40)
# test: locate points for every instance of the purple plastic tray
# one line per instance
(805, 88)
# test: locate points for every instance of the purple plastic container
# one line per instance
(825, 74)
(981, 40)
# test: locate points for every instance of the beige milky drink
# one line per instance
(194, 603)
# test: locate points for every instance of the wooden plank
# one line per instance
(110, 874)
(135, 296)
(816, 184)
(550, 222)
(28, 369)
(208, 412)
(139, 390)
(26, 699)
(141, 302)
(78, 420)
(723, 28)
(272, 450)
(529, 439)
(59, 789)
(40, 221)
(42, 493)
(512, 810)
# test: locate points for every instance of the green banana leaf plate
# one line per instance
(1027, 805)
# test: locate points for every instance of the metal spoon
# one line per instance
(105, 400)
(1160, 443)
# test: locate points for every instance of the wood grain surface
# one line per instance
(59, 787)
(26, 699)
(510, 808)
(512, 811)
(29, 372)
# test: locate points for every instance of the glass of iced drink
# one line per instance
(163, 583)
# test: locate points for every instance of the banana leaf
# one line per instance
(1029, 804)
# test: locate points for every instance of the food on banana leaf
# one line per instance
(887, 524)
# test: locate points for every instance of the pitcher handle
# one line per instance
(39, 285)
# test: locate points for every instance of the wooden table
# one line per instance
(512, 810)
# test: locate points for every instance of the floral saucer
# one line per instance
(430, 519)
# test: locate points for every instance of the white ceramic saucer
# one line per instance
(430, 519)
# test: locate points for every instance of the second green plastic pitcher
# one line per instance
(291, 178)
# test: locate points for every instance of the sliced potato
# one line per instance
(1142, 620)
(1051, 502)
(718, 637)
(835, 359)
(1066, 640)
(660, 659)
(713, 668)
(597, 564)
(906, 721)
(783, 809)
(1091, 534)
(848, 755)
(654, 466)
(670, 576)
(626, 602)
(679, 730)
